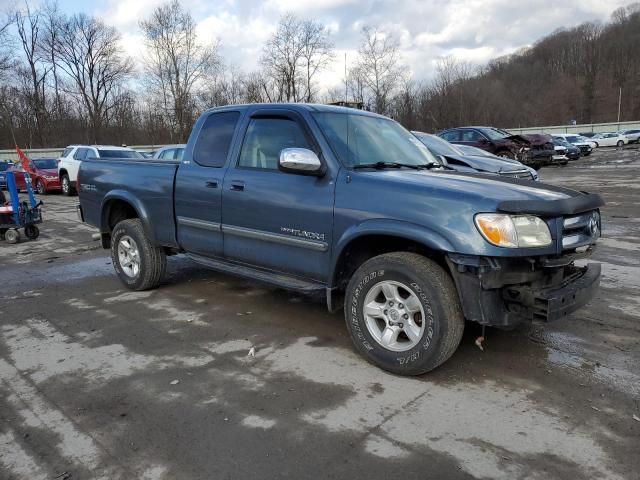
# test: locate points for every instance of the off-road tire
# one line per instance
(153, 260)
(437, 294)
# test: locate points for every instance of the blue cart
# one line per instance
(16, 215)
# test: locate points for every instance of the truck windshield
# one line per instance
(367, 140)
(119, 154)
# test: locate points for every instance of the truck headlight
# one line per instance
(513, 231)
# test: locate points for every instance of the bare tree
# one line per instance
(294, 54)
(379, 65)
(52, 21)
(176, 62)
(88, 52)
(33, 72)
(317, 52)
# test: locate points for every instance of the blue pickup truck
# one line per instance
(350, 205)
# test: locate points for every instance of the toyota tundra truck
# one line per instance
(349, 205)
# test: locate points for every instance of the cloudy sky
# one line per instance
(473, 30)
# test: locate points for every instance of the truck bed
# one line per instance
(106, 181)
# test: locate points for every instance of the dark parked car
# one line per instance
(535, 150)
(4, 166)
(572, 152)
(455, 158)
(43, 173)
(349, 205)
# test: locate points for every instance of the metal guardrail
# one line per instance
(10, 154)
(582, 128)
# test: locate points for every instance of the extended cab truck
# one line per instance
(349, 204)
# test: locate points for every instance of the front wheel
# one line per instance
(139, 264)
(40, 188)
(620, 144)
(403, 313)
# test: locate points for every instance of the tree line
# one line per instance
(66, 79)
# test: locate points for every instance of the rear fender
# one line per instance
(138, 206)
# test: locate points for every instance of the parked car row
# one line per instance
(534, 150)
(43, 172)
(473, 159)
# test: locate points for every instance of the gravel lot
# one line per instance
(101, 382)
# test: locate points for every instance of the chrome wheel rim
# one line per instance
(129, 256)
(40, 187)
(65, 184)
(394, 316)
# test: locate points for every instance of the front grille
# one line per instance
(524, 174)
(580, 230)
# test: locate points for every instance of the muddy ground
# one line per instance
(101, 382)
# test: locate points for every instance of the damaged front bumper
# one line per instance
(506, 292)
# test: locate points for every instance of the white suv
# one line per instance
(69, 162)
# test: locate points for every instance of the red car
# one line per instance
(44, 175)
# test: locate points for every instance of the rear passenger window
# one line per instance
(214, 140)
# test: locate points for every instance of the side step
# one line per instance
(266, 276)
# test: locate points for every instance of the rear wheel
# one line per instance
(403, 313)
(67, 188)
(139, 264)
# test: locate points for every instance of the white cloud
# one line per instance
(472, 30)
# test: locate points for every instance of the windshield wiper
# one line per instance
(383, 165)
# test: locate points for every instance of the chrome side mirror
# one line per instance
(301, 161)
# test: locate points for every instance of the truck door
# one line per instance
(272, 219)
(198, 186)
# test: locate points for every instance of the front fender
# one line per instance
(396, 228)
(132, 200)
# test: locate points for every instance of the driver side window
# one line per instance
(264, 140)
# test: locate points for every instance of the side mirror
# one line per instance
(301, 161)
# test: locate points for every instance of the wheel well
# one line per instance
(115, 211)
(62, 171)
(363, 248)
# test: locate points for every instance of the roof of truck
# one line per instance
(313, 107)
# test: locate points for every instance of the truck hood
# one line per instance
(487, 192)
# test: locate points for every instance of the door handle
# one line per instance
(237, 185)
(212, 183)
